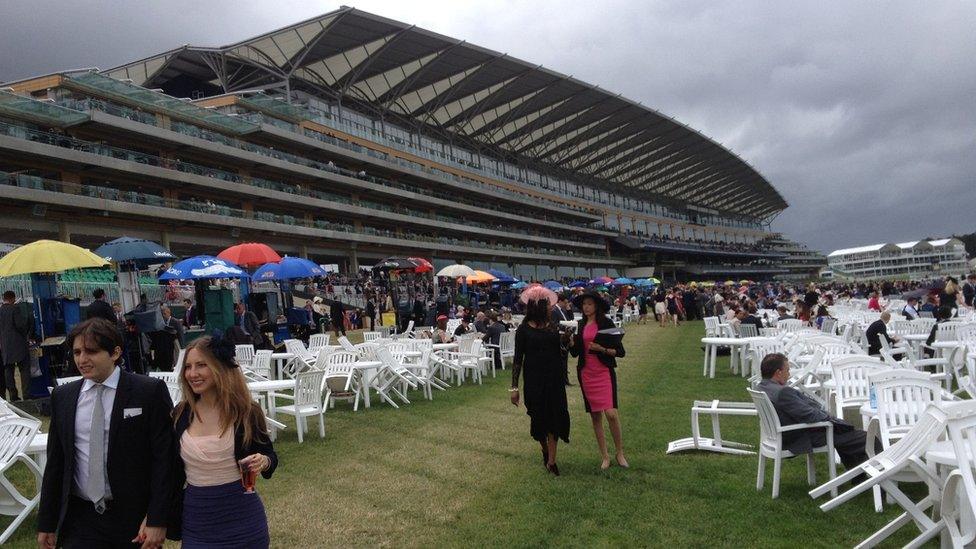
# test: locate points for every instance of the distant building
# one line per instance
(906, 260)
(799, 262)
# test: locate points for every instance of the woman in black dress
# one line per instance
(538, 351)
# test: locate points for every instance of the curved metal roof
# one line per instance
(478, 97)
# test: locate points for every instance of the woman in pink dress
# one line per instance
(598, 355)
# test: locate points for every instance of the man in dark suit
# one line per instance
(877, 330)
(109, 476)
(14, 331)
(969, 290)
(251, 325)
(337, 317)
(190, 314)
(100, 308)
(794, 407)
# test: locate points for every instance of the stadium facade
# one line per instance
(916, 260)
(350, 137)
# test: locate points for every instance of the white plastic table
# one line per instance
(280, 359)
(367, 372)
(266, 389)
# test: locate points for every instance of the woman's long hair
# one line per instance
(233, 399)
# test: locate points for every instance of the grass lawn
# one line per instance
(462, 471)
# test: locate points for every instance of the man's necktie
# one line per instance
(96, 453)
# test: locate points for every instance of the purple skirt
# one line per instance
(223, 516)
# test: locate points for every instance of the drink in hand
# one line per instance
(248, 478)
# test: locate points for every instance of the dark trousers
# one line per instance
(849, 444)
(83, 528)
(8, 383)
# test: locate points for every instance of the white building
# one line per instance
(906, 260)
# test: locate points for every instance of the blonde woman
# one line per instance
(223, 442)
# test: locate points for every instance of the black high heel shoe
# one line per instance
(554, 469)
(545, 457)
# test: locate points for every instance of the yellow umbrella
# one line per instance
(48, 256)
(480, 276)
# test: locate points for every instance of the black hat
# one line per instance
(601, 304)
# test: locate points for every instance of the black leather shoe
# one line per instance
(554, 469)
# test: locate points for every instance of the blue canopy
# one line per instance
(288, 268)
(519, 285)
(643, 283)
(203, 266)
(503, 277)
(623, 281)
(578, 284)
(135, 250)
(553, 285)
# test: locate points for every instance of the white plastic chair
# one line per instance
(307, 401)
(244, 355)
(16, 434)
(261, 364)
(341, 380)
(771, 442)
(962, 432)
(370, 337)
(317, 341)
(883, 469)
(392, 375)
(852, 386)
(301, 359)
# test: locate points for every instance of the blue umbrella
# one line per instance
(623, 281)
(578, 284)
(553, 285)
(203, 266)
(135, 250)
(289, 268)
(503, 277)
(519, 285)
(643, 283)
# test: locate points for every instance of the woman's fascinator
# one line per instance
(224, 349)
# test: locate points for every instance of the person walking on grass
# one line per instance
(223, 444)
(598, 355)
(538, 353)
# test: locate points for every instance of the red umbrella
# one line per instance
(250, 254)
(535, 292)
(422, 264)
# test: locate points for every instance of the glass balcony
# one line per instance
(40, 112)
(153, 101)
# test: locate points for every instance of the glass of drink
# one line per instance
(248, 478)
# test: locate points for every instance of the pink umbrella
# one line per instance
(535, 292)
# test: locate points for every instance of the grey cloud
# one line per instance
(861, 114)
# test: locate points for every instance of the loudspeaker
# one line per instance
(40, 210)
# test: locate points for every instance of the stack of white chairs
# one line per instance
(261, 365)
(370, 337)
(393, 378)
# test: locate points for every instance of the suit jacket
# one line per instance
(100, 309)
(875, 331)
(140, 454)
(258, 445)
(174, 327)
(603, 323)
(559, 314)
(14, 329)
(794, 407)
(190, 316)
(253, 326)
(968, 293)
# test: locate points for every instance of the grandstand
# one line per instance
(350, 137)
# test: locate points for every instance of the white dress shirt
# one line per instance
(83, 421)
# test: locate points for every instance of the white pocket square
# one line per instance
(131, 412)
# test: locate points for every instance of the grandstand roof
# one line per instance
(510, 108)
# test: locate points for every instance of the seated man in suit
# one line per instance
(877, 330)
(109, 478)
(909, 311)
(794, 407)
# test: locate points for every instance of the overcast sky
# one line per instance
(862, 114)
